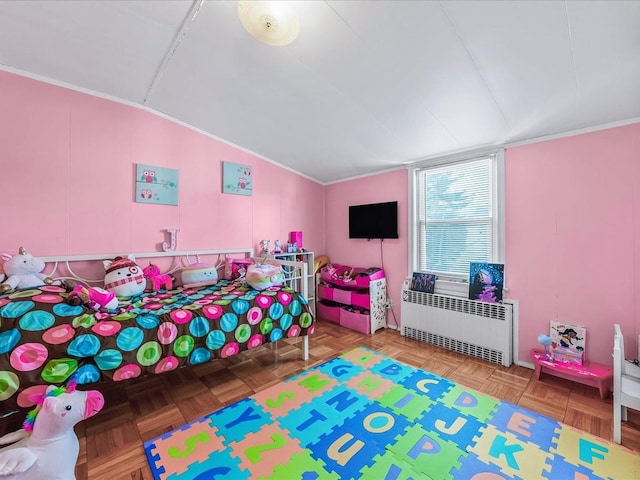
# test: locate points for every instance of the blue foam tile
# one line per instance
(472, 467)
(560, 468)
(428, 384)
(236, 421)
(526, 425)
(451, 424)
(325, 413)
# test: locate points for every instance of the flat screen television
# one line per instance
(374, 220)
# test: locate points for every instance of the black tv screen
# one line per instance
(374, 220)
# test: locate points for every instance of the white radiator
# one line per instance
(479, 329)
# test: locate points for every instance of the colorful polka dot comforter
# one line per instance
(44, 340)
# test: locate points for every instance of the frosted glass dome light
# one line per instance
(272, 22)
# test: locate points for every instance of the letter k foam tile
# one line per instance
(514, 458)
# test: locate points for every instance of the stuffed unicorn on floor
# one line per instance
(47, 447)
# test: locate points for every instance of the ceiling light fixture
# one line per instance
(272, 22)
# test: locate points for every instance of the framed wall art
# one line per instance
(156, 185)
(237, 179)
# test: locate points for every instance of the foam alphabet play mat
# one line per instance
(364, 415)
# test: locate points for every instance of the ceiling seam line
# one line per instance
(573, 58)
(475, 64)
(184, 28)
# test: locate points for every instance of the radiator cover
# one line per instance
(480, 329)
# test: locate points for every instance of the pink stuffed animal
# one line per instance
(23, 271)
(47, 447)
(157, 279)
(93, 297)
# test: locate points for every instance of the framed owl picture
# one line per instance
(237, 179)
(156, 185)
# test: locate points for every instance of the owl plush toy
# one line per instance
(124, 277)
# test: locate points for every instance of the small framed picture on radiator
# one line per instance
(423, 282)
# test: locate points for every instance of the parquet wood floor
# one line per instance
(111, 443)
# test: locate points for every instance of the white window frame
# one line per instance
(454, 284)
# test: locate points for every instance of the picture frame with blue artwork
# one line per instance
(486, 282)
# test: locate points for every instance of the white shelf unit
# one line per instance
(371, 299)
(308, 259)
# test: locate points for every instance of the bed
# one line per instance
(46, 341)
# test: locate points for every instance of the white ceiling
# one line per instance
(367, 86)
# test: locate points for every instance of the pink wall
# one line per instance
(573, 236)
(68, 163)
(363, 253)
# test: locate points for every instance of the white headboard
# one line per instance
(89, 269)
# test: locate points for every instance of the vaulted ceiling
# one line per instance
(367, 86)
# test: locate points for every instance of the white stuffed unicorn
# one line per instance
(47, 447)
(22, 271)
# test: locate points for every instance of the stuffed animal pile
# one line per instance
(22, 271)
(47, 447)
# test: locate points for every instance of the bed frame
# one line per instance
(89, 270)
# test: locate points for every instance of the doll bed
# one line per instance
(45, 341)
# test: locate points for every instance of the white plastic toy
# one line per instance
(47, 446)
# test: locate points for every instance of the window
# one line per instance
(457, 215)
